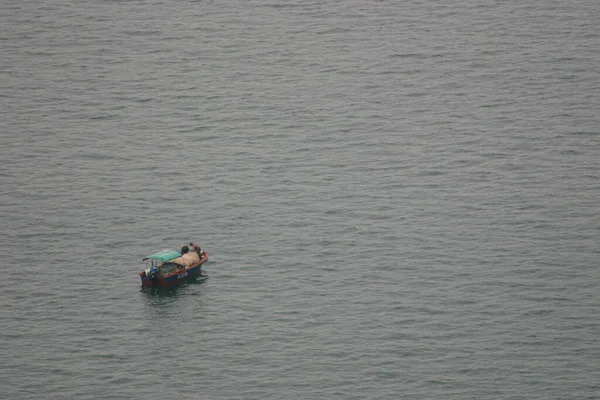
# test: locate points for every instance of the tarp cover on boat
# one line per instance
(165, 255)
(186, 260)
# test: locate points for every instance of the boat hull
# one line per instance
(173, 279)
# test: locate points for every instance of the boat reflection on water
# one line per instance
(158, 291)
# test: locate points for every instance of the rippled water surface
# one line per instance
(399, 199)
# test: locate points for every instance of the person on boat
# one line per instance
(185, 249)
(195, 247)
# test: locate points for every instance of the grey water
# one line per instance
(400, 200)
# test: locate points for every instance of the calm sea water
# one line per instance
(399, 199)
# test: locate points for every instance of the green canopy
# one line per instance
(164, 255)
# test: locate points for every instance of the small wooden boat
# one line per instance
(169, 267)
